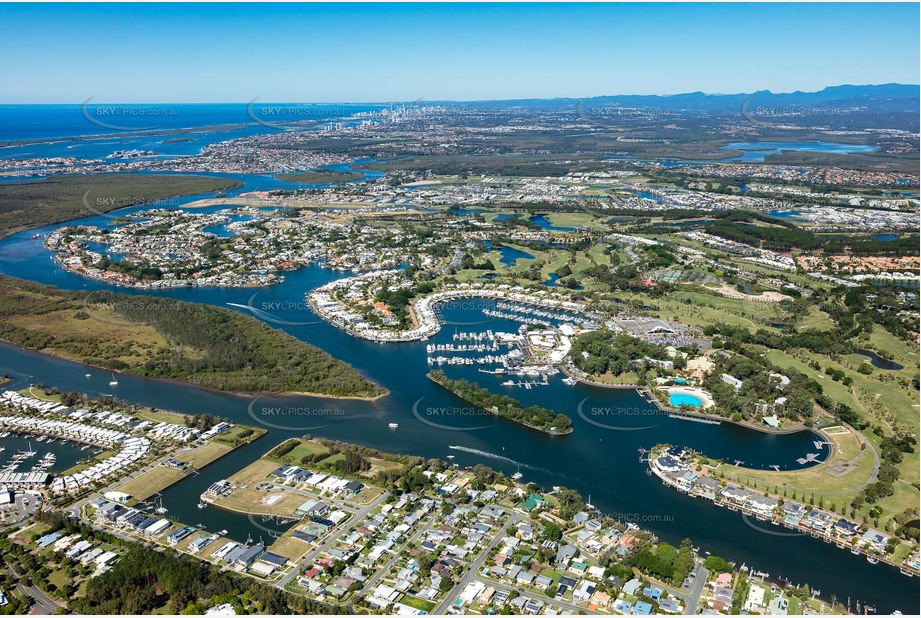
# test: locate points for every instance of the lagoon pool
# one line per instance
(683, 399)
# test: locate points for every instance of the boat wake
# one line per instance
(489, 455)
(265, 316)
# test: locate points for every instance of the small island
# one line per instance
(535, 417)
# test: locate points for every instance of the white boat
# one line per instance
(114, 382)
(393, 425)
(222, 532)
(508, 383)
(89, 375)
(569, 381)
(872, 560)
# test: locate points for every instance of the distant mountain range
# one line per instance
(882, 97)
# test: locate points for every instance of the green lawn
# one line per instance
(422, 604)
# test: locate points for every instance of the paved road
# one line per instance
(690, 597)
(311, 557)
(43, 603)
(536, 596)
(396, 554)
(471, 573)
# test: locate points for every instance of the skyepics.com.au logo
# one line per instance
(467, 307)
(273, 310)
(289, 116)
(102, 205)
(642, 518)
(614, 418)
(607, 116)
(440, 417)
(112, 116)
(770, 308)
(284, 116)
(124, 311)
(773, 115)
(754, 525)
(292, 417)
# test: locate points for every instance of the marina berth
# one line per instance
(325, 303)
(131, 448)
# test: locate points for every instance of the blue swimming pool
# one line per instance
(683, 399)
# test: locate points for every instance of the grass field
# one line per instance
(815, 480)
(200, 457)
(289, 547)
(83, 466)
(303, 449)
(160, 416)
(151, 481)
(421, 604)
(233, 436)
(253, 501)
(255, 472)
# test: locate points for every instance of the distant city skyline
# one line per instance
(219, 53)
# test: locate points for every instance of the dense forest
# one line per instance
(205, 345)
(505, 406)
(612, 353)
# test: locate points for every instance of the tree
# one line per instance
(552, 532)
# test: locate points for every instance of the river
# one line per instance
(599, 459)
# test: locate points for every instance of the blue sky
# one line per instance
(361, 52)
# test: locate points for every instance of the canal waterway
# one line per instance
(600, 458)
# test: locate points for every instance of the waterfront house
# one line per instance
(818, 520)
(533, 501)
(763, 505)
(200, 543)
(311, 507)
(778, 606)
(708, 487)
(687, 480)
(736, 494)
(846, 528)
(248, 556)
(666, 463)
(177, 535)
(793, 512)
(874, 540)
(755, 600)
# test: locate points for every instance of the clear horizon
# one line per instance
(96, 102)
(322, 53)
